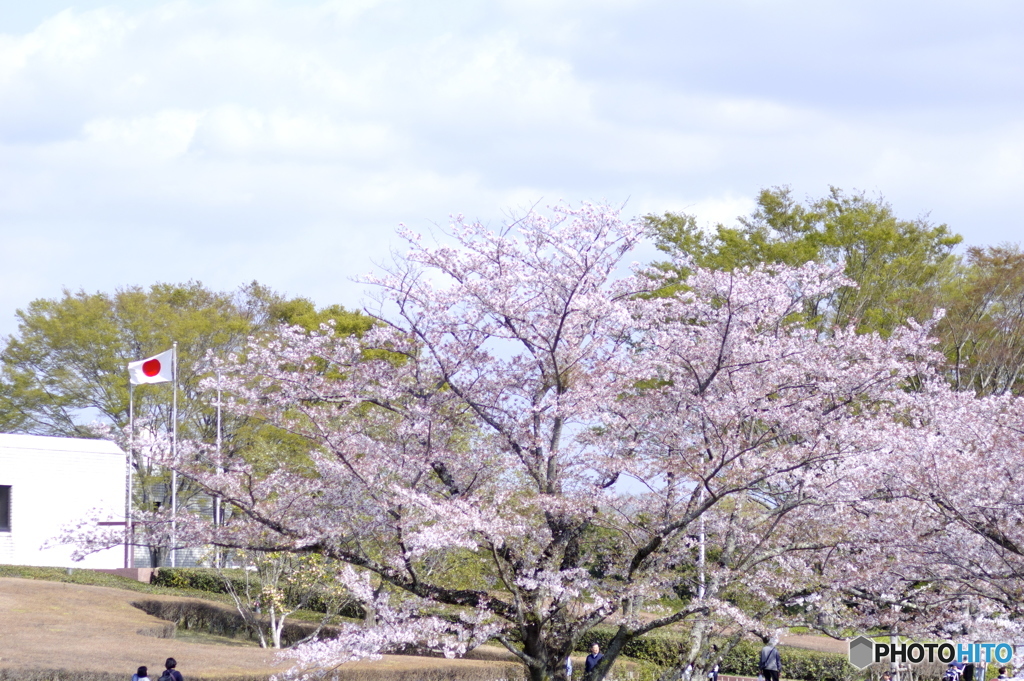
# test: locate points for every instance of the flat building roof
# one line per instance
(58, 444)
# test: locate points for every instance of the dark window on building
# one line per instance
(5, 508)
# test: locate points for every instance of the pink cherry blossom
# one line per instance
(580, 444)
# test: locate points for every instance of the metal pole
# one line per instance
(128, 562)
(174, 458)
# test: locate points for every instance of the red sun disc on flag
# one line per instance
(151, 368)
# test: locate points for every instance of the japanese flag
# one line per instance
(155, 369)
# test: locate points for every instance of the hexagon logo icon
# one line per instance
(862, 652)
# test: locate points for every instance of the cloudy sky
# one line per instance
(283, 141)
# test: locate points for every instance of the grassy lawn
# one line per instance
(85, 627)
(113, 604)
(93, 578)
(62, 629)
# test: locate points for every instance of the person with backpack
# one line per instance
(141, 674)
(170, 673)
(770, 663)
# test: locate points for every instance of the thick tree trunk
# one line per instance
(538, 674)
(550, 657)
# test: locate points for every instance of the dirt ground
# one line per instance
(51, 625)
(812, 642)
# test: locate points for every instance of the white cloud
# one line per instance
(166, 134)
(283, 140)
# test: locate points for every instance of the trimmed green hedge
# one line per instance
(211, 581)
(219, 620)
(797, 663)
(665, 650)
(662, 650)
(201, 579)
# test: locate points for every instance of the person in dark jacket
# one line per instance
(770, 664)
(593, 659)
(170, 673)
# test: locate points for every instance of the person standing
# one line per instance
(713, 674)
(593, 659)
(770, 663)
(170, 673)
(141, 674)
(568, 668)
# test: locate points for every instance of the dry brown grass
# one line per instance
(822, 644)
(48, 625)
(68, 632)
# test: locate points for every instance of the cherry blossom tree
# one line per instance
(933, 547)
(595, 453)
(749, 420)
(962, 475)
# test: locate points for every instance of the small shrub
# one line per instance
(211, 581)
(213, 619)
(194, 578)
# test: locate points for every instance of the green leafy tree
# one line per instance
(903, 269)
(65, 369)
(894, 262)
(983, 330)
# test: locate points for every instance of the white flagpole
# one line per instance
(128, 562)
(174, 457)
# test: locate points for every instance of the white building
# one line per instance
(47, 483)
